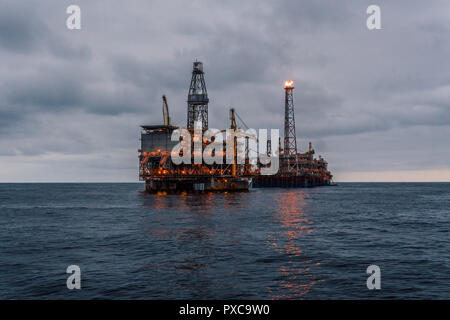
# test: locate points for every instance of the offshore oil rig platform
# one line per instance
(296, 169)
(164, 175)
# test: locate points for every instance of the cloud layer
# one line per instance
(71, 102)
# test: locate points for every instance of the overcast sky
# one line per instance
(375, 104)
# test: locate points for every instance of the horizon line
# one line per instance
(142, 182)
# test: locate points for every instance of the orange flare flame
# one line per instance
(289, 84)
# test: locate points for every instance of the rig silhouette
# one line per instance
(162, 175)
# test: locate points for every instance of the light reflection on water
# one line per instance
(196, 218)
(297, 279)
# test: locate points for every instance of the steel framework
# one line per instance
(197, 98)
(290, 139)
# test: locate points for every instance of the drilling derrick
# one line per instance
(197, 98)
(290, 140)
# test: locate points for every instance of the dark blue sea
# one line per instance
(265, 244)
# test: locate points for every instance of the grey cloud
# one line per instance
(70, 88)
(148, 74)
(85, 93)
(48, 92)
(311, 16)
(18, 30)
(23, 31)
(8, 119)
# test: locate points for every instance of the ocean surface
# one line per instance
(264, 244)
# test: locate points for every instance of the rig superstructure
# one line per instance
(296, 169)
(162, 174)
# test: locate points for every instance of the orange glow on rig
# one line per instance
(289, 84)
